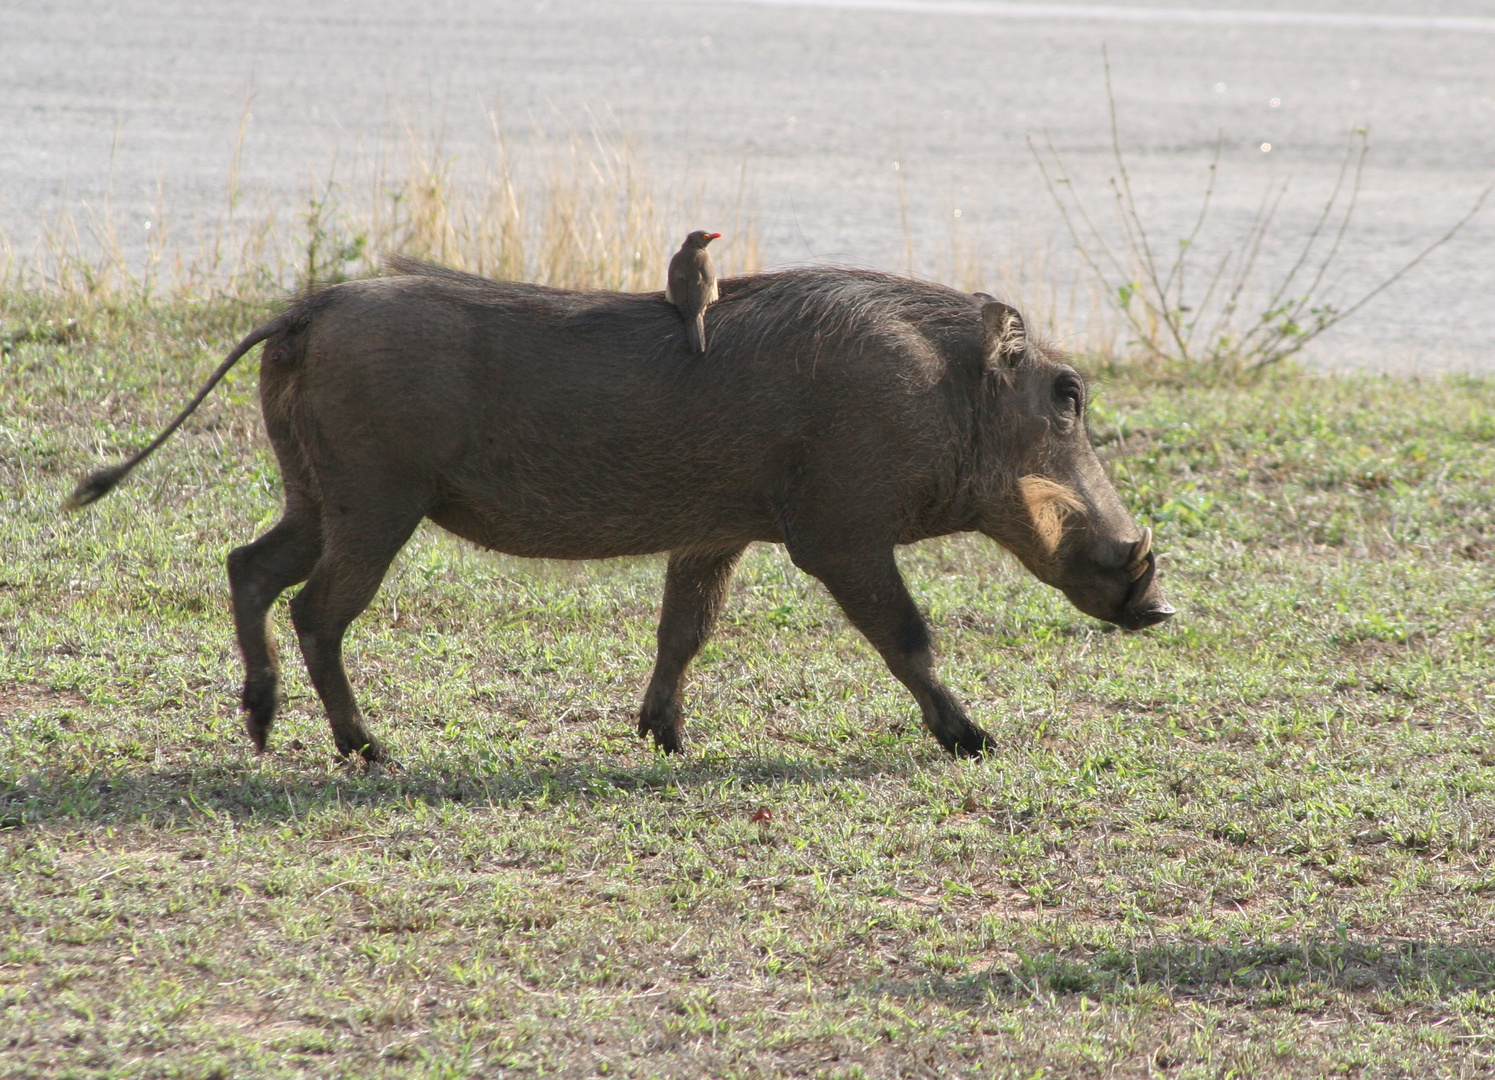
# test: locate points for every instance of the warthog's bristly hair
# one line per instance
(1049, 505)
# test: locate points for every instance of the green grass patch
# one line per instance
(1254, 841)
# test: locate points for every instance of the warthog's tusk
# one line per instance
(1137, 565)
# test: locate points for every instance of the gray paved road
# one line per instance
(819, 97)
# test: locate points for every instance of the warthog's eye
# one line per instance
(1069, 394)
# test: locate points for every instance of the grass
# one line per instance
(1255, 841)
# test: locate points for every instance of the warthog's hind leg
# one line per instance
(257, 574)
(358, 548)
(871, 591)
(695, 587)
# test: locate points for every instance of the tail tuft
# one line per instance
(96, 486)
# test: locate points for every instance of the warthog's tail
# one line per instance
(98, 484)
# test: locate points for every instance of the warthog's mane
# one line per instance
(815, 311)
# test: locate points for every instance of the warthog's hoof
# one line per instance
(369, 748)
(663, 722)
(260, 700)
(969, 741)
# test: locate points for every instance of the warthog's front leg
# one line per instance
(871, 591)
(695, 587)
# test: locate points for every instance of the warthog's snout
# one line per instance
(1145, 604)
(1118, 583)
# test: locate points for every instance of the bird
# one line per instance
(691, 286)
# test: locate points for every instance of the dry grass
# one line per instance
(582, 213)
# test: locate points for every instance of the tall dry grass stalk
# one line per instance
(582, 214)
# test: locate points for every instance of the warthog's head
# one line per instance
(1048, 500)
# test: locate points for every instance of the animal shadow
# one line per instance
(251, 789)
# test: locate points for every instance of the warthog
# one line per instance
(839, 413)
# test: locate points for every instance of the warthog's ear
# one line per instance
(1006, 337)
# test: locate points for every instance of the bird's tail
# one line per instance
(695, 333)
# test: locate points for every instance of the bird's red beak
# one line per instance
(713, 236)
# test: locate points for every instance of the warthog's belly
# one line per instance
(581, 526)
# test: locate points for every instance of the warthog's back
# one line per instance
(579, 425)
